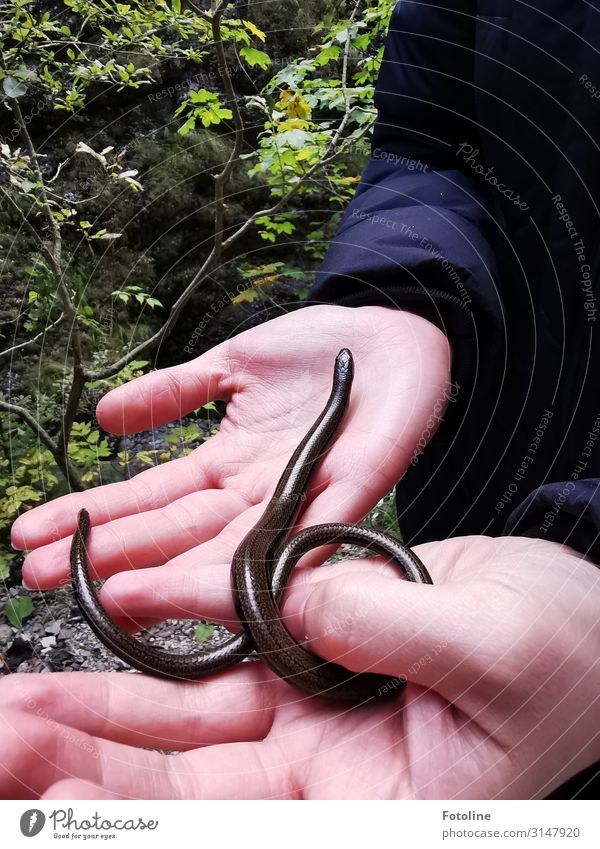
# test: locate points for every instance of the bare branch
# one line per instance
(331, 153)
(238, 124)
(69, 308)
(67, 468)
(33, 232)
(55, 229)
(34, 339)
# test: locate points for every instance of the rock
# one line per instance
(6, 635)
(54, 627)
(48, 642)
(59, 659)
(19, 652)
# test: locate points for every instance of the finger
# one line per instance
(369, 620)
(36, 757)
(197, 584)
(141, 710)
(162, 396)
(73, 788)
(149, 490)
(190, 588)
(193, 585)
(140, 540)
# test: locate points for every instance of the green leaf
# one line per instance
(202, 95)
(255, 57)
(204, 631)
(294, 138)
(255, 30)
(18, 609)
(4, 566)
(328, 54)
(214, 115)
(102, 234)
(189, 125)
(248, 295)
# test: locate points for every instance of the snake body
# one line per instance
(261, 567)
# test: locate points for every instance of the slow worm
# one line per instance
(261, 567)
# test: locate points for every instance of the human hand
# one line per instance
(192, 512)
(502, 659)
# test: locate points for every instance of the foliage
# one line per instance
(181, 441)
(87, 448)
(25, 480)
(18, 609)
(203, 632)
(313, 116)
(383, 516)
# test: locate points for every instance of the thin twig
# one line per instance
(34, 339)
(41, 244)
(220, 246)
(54, 227)
(238, 124)
(65, 465)
(69, 308)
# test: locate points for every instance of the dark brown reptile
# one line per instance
(260, 570)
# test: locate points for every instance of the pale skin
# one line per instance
(501, 652)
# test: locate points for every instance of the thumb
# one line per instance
(367, 619)
(162, 396)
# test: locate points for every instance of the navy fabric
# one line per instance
(480, 209)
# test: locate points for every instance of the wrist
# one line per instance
(403, 326)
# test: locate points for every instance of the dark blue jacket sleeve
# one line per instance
(415, 234)
(567, 512)
(418, 236)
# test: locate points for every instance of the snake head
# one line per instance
(344, 361)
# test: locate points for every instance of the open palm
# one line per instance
(502, 656)
(190, 513)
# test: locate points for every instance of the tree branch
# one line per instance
(69, 308)
(67, 468)
(220, 245)
(33, 158)
(238, 124)
(34, 339)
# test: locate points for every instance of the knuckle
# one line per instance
(340, 615)
(25, 693)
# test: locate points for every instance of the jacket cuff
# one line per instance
(567, 512)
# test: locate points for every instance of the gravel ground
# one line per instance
(55, 638)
